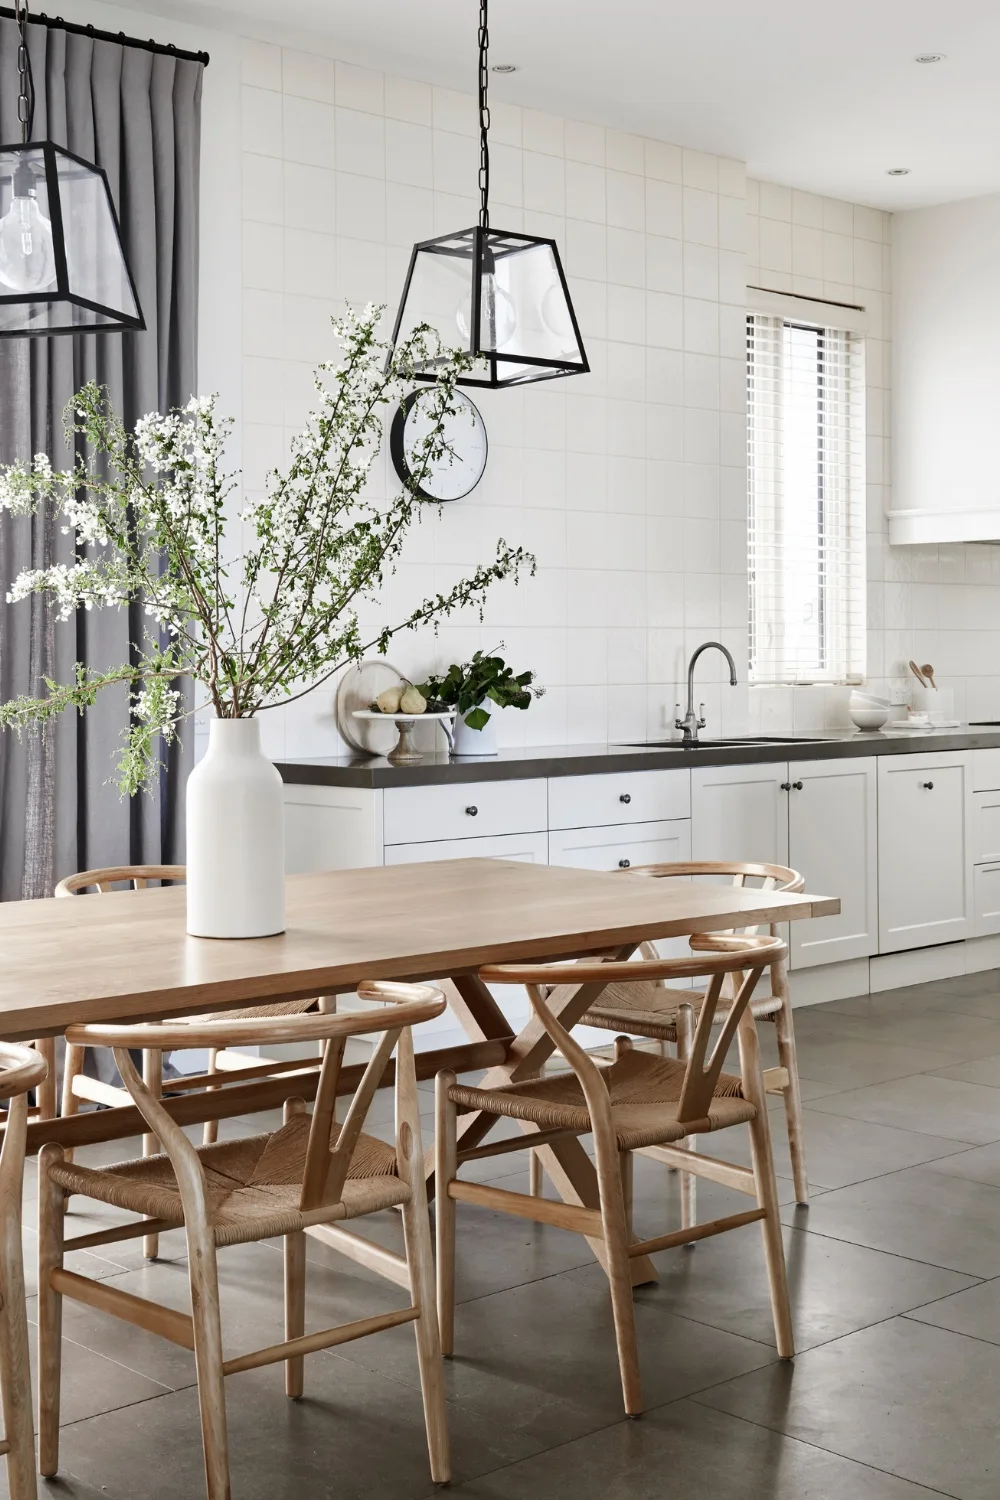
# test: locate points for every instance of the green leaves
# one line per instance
(466, 687)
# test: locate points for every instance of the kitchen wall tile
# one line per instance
(629, 483)
(407, 99)
(260, 64)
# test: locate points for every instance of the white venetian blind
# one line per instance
(806, 510)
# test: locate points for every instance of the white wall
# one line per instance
(629, 484)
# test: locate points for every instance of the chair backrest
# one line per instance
(704, 1064)
(137, 876)
(21, 1069)
(742, 873)
(328, 1152)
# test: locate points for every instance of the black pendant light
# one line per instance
(498, 295)
(62, 266)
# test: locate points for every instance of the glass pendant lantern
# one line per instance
(498, 295)
(62, 265)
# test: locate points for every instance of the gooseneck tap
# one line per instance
(692, 721)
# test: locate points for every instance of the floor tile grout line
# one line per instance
(914, 1260)
(819, 1448)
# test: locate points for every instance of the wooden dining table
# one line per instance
(125, 956)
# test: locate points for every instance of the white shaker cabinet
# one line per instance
(819, 817)
(833, 842)
(619, 847)
(925, 854)
(740, 812)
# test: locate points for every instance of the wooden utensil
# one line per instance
(928, 672)
(918, 674)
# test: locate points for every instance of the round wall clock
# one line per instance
(465, 432)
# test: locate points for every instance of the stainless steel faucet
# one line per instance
(692, 721)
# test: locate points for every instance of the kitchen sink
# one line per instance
(741, 739)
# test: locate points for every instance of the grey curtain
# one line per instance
(137, 115)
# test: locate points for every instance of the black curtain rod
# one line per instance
(57, 23)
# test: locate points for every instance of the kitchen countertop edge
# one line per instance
(584, 760)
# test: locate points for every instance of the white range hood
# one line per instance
(974, 524)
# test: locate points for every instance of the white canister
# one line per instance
(235, 837)
(466, 741)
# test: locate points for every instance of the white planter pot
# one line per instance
(466, 741)
(235, 837)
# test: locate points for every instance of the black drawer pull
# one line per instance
(623, 864)
(927, 785)
(472, 811)
(797, 786)
(625, 797)
(786, 786)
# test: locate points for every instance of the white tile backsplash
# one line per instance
(628, 484)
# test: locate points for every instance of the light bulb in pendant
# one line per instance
(497, 318)
(27, 261)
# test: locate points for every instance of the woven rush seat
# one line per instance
(653, 1009)
(645, 1094)
(254, 1184)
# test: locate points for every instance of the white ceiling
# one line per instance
(823, 97)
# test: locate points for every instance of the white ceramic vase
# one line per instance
(466, 741)
(235, 837)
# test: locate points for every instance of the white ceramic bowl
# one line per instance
(868, 718)
(867, 700)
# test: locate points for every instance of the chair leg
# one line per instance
(420, 1259)
(152, 1077)
(788, 1058)
(295, 1309)
(72, 1068)
(210, 1129)
(689, 1183)
(15, 1370)
(445, 1171)
(767, 1187)
(204, 1279)
(51, 1213)
(47, 1094)
(295, 1285)
(616, 1239)
(535, 1174)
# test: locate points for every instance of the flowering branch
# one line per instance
(149, 511)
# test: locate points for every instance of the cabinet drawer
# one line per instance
(986, 887)
(472, 809)
(618, 797)
(985, 827)
(618, 847)
(529, 848)
(985, 770)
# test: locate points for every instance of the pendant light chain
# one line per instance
(484, 117)
(26, 86)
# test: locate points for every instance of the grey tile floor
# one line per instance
(895, 1277)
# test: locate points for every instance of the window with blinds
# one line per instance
(806, 510)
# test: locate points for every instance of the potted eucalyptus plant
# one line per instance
(154, 512)
(471, 689)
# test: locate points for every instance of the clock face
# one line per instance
(456, 473)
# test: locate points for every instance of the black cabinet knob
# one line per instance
(623, 864)
(927, 785)
(786, 786)
(797, 786)
(472, 811)
(625, 797)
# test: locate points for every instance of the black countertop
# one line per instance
(582, 760)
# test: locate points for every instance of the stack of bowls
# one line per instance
(866, 711)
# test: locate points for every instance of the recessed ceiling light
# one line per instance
(929, 57)
(897, 171)
(504, 67)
